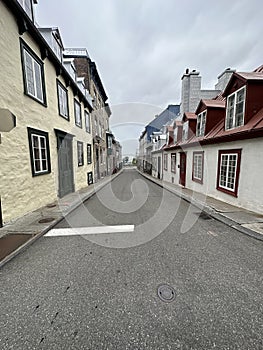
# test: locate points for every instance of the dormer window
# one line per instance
(200, 127)
(185, 131)
(235, 109)
(27, 6)
(175, 134)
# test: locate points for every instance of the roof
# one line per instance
(171, 112)
(190, 116)
(251, 75)
(254, 128)
(214, 103)
(259, 69)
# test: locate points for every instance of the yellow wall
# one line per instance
(19, 191)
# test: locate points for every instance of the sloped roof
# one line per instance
(167, 115)
(259, 69)
(214, 103)
(190, 116)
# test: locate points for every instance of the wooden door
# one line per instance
(182, 168)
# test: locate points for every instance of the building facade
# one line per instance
(50, 151)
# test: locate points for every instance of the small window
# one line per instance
(39, 151)
(80, 153)
(235, 109)
(87, 121)
(77, 110)
(173, 162)
(198, 167)
(175, 134)
(200, 126)
(228, 171)
(62, 101)
(27, 6)
(89, 154)
(185, 131)
(165, 161)
(33, 73)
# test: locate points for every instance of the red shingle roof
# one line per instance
(214, 103)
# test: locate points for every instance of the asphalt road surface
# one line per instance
(78, 288)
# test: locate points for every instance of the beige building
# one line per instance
(50, 151)
(87, 72)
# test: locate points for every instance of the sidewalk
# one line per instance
(244, 221)
(22, 232)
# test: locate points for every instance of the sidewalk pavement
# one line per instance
(247, 222)
(22, 232)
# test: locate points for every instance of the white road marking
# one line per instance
(212, 233)
(77, 231)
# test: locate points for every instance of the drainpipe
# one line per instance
(1, 216)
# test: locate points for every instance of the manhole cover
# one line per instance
(166, 293)
(46, 220)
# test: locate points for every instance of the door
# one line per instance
(65, 164)
(97, 163)
(159, 168)
(182, 168)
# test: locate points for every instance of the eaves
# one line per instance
(25, 24)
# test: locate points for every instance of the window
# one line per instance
(185, 131)
(200, 127)
(33, 73)
(228, 171)
(89, 154)
(77, 110)
(173, 162)
(39, 151)
(27, 6)
(235, 109)
(87, 121)
(175, 134)
(165, 162)
(80, 153)
(198, 167)
(62, 101)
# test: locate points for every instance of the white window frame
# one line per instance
(33, 75)
(62, 101)
(173, 163)
(185, 130)
(201, 122)
(198, 166)
(27, 6)
(233, 108)
(165, 161)
(231, 175)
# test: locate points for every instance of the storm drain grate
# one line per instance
(46, 220)
(166, 293)
(204, 216)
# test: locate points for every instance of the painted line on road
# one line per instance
(77, 231)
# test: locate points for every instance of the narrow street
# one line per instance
(77, 288)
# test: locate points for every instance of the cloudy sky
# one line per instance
(142, 47)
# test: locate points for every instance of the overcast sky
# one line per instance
(142, 47)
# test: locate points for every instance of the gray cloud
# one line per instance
(143, 47)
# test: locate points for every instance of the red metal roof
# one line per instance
(190, 115)
(251, 75)
(214, 103)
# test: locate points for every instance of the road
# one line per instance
(99, 291)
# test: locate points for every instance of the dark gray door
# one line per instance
(65, 164)
(159, 168)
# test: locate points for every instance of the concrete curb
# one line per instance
(23, 247)
(208, 210)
